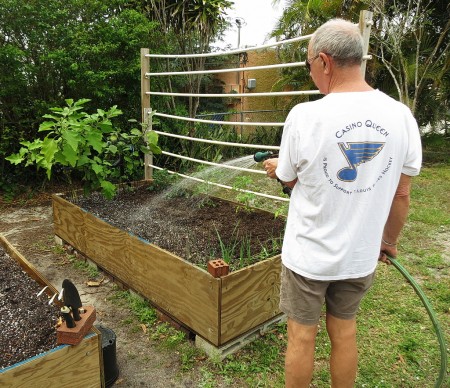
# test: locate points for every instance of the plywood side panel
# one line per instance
(184, 291)
(250, 297)
(70, 366)
(68, 221)
(107, 246)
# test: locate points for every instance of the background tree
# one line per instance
(194, 25)
(59, 49)
(409, 41)
(412, 43)
(303, 17)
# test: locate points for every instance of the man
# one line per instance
(349, 158)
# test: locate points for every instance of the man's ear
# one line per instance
(327, 62)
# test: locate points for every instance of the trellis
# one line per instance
(365, 24)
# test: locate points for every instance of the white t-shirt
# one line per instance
(347, 151)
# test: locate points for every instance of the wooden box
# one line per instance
(77, 366)
(217, 309)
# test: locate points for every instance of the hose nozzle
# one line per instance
(260, 156)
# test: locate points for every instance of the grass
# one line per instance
(397, 343)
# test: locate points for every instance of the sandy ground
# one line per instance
(140, 363)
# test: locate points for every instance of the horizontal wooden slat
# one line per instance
(106, 245)
(184, 291)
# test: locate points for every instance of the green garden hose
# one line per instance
(432, 316)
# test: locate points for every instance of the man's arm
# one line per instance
(397, 218)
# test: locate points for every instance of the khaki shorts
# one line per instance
(302, 299)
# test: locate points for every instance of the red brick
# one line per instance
(74, 335)
(218, 268)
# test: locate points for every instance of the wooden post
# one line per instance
(146, 110)
(148, 158)
(365, 25)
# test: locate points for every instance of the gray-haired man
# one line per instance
(349, 158)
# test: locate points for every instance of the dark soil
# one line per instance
(27, 321)
(196, 228)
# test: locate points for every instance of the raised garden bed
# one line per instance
(141, 256)
(30, 356)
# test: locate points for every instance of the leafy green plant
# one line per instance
(162, 180)
(242, 183)
(88, 144)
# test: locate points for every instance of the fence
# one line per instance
(365, 23)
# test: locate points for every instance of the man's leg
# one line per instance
(344, 352)
(299, 363)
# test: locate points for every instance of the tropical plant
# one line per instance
(409, 41)
(194, 25)
(88, 144)
(302, 18)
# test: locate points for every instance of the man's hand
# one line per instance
(270, 165)
(387, 251)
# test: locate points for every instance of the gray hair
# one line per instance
(341, 40)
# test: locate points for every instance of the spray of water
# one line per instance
(216, 174)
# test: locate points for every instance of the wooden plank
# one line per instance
(365, 26)
(68, 222)
(71, 366)
(106, 246)
(29, 268)
(146, 108)
(250, 297)
(179, 288)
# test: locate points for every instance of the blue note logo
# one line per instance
(356, 154)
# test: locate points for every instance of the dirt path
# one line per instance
(141, 364)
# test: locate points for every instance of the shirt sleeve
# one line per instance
(286, 170)
(413, 160)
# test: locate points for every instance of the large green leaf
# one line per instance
(109, 189)
(152, 137)
(15, 159)
(47, 126)
(72, 138)
(95, 140)
(49, 149)
(83, 160)
(70, 155)
(97, 168)
(154, 148)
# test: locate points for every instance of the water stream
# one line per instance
(216, 174)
